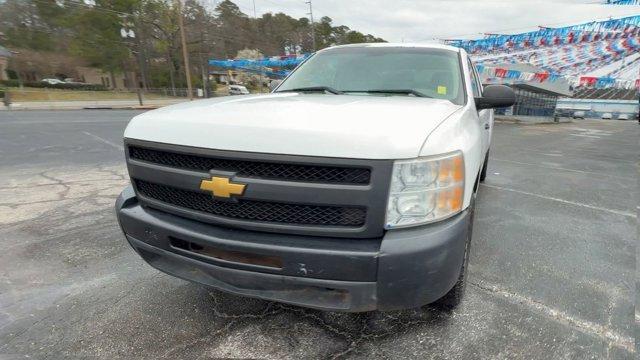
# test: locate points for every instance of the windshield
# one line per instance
(405, 71)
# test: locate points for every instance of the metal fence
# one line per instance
(531, 103)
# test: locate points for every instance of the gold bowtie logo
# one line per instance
(222, 187)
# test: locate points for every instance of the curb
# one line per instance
(513, 120)
(137, 107)
(61, 108)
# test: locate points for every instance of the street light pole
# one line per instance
(129, 34)
(185, 54)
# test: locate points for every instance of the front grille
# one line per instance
(257, 169)
(254, 210)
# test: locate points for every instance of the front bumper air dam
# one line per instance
(406, 268)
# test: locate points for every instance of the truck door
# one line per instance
(485, 116)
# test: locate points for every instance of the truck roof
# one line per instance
(419, 45)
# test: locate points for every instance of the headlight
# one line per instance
(425, 190)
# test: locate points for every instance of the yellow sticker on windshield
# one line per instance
(442, 90)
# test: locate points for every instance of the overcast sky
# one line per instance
(423, 20)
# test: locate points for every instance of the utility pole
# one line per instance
(313, 27)
(130, 34)
(185, 54)
(255, 14)
(140, 46)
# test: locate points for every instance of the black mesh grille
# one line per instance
(290, 172)
(255, 210)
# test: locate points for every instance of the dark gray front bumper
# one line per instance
(404, 269)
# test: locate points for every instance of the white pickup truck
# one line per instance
(351, 187)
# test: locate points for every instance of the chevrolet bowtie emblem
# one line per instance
(222, 187)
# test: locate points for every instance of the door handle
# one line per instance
(486, 126)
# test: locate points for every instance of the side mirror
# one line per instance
(495, 96)
(274, 84)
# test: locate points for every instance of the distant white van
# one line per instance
(238, 90)
(607, 116)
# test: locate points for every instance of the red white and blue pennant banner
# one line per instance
(622, 2)
(545, 36)
(605, 82)
(569, 60)
(491, 72)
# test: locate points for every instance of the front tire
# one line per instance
(454, 297)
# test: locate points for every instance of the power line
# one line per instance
(80, 5)
(272, 2)
(87, 6)
(219, 37)
(102, 39)
(242, 8)
(102, 9)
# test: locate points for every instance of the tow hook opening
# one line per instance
(226, 255)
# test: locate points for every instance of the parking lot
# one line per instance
(552, 274)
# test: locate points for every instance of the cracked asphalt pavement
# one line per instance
(552, 273)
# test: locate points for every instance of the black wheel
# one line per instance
(453, 298)
(483, 173)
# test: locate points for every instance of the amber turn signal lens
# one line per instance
(451, 200)
(451, 170)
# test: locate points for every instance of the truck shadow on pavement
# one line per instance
(351, 330)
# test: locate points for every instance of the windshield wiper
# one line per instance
(391, 91)
(314, 89)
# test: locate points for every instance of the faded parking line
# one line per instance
(566, 152)
(603, 332)
(104, 141)
(613, 211)
(561, 168)
(57, 122)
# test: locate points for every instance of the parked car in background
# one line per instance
(607, 116)
(238, 90)
(578, 115)
(623, 117)
(72, 81)
(52, 81)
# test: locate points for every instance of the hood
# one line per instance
(348, 126)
